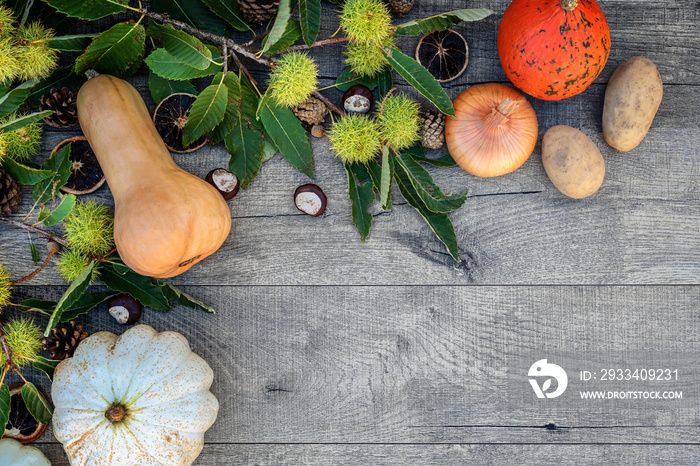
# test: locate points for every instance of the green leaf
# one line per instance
(310, 16)
(362, 196)
(439, 223)
(443, 161)
(42, 305)
(441, 22)
(12, 100)
(207, 111)
(420, 78)
(178, 296)
(246, 148)
(72, 43)
(138, 286)
(347, 78)
(72, 294)
(386, 179)
(193, 12)
(37, 405)
(284, 12)
(232, 114)
(60, 165)
(291, 34)
(62, 211)
(35, 253)
(5, 407)
(117, 51)
(166, 66)
(426, 188)
(87, 302)
(25, 120)
(47, 366)
(183, 47)
(24, 174)
(61, 77)
(289, 136)
(229, 11)
(161, 88)
(89, 9)
(385, 81)
(269, 151)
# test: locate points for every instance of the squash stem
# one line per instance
(569, 5)
(116, 413)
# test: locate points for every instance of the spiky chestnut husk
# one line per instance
(5, 287)
(9, 66)
(37, 60)
(355, 138)
(71, 264)
(90, 228)
(23, 143)
(367, 59)
(366, 21)
(7, 22)
(399, 121)
(294, 79)
(23, 337)
(3, 146)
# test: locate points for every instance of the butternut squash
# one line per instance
(166, 219)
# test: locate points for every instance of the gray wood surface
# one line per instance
(374, 366)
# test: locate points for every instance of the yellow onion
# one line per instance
(493, 132)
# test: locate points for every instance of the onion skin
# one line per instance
(487, 142)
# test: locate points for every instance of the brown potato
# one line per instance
(632, 98)
(572, 161)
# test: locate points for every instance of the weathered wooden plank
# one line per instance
(435, 364)
(226, 455)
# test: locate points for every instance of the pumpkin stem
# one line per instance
(115, 414)
(569, 5)
(499, 115)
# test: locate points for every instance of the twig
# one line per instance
(256, 38)
(225, 55)
(34, 229)
(243, 68)
(6, 349)
(328, 103)
(39, 269)
(318, 43)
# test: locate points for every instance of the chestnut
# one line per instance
(125, 309)
(310, 199)
(358, 99)
(224, 181)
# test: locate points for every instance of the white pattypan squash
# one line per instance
(138, 399)
(13, 453)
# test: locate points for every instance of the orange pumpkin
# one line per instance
(553, 49)
(165, 219)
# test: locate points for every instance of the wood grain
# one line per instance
(266, 454)
(426, 364)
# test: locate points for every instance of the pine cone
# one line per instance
(10, 194)
(64, 103)
(63, 340)
(255, 11)
(312, 111)
(432, 132)
(401, 7)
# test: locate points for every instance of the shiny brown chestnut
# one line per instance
(358, 99)
(224, 181)
(125, 309)
(310, 199)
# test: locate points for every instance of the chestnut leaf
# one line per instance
(207, 111)
(440, 223)
(279, 27)
(166, 66)
(230, 12)
(89, 9)
(182, 46)
(310, 16)
(424, 186)
(5, 407)
(37, 405)
(441, 22)
(161, 88)
(141, 288)
(72, 294)
(193, 12)
(362, 195)
(47, 366)
(118, 51)
(289, 136)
